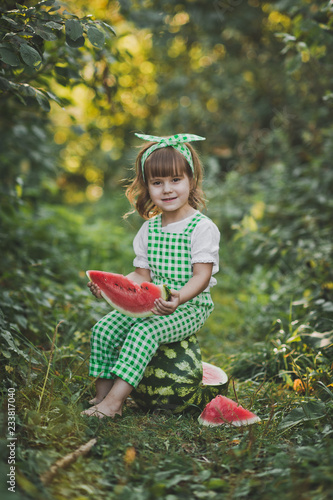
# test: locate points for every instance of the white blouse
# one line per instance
(205, 239)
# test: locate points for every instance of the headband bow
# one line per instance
(176, 141)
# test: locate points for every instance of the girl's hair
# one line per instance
(164, 162)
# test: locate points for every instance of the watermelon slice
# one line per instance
(127, 296)
(222, 410)
(213, 375)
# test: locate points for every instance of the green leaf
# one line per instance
(45, 34)
(55, 8)
(12, 345)
(108, 27)
(43, 101)
(293, 64)
(312, 410)
(320, 339)
(30, 56)
(25, 90)
(5, 84)
(54, 98)
(96, 37)
(9, 20)
(75, 43)
(53, 25)
(216, 484)
(74, 29)
(324, 391)
(9, 57)
(47, 3)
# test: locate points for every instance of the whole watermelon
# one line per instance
(173, 379)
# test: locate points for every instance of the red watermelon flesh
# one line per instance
(222, 410)
(213, 375)
(127, 296)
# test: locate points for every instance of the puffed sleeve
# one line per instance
(140, 246)
(205, 244)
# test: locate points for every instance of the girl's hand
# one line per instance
(166, 307)
(95, 290)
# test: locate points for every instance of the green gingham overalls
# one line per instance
(123, 346)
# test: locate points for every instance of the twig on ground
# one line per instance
(66, 460)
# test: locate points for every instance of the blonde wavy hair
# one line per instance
(163, 162)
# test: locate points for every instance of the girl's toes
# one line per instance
(93, 412)
(94, 401)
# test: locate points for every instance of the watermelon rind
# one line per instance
(165, 295)
(237, 423)
(173, 379)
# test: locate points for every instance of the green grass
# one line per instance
(160, 455)
(263, 346)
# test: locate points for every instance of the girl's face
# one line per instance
(170, 194)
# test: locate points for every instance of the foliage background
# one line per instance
(255, 79)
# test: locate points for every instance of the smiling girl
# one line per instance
(177, 246)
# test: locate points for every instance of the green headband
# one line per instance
(176, 141)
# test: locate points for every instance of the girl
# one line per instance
(177, 246)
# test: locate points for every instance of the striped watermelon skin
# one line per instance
(173, 379)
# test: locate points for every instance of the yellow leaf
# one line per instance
(130, 455)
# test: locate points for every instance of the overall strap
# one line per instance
(198, 217)
(155, 223)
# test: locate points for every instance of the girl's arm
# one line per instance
(138, 276)
(197, 284)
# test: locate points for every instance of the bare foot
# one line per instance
(113, 402)
(103, 387)
(102, 410)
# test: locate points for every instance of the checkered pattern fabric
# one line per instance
(123, 346)
(175, 268)
(176, 141)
